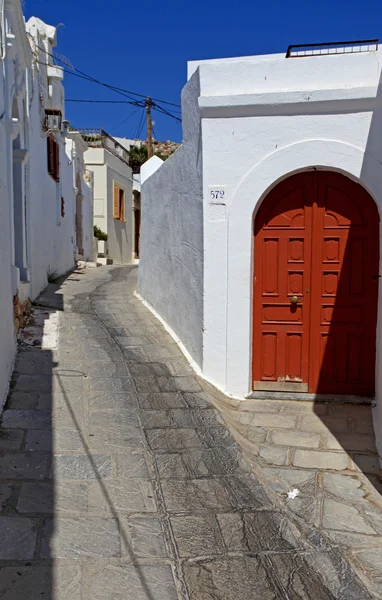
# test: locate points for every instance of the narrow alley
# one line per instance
(120, 480)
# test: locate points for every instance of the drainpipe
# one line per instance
(2, 29)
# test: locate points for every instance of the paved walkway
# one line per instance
(120, 480)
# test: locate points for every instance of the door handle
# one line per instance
(294, 300)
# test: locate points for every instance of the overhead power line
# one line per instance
(165, 112)
(138, 103)
(124, 120)
(134, 102)
(140, 124)
(105, 101)
(112, 87)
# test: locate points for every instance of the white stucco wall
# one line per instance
(120, 240)
(82, 184)
(52, 243)
(7, 333)
(262, 113)
(13, 126)
(106, 169)
(94, 159)
(87, 217)
(52, 237)
(171, 250)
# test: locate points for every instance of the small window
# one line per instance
(53, 120)
(119, 203)
(53, 158)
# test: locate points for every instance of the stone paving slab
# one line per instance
(18, 538)
(229, 578)
(24, 465)
(80, 537)
(61, 582)
(118, 582)
(120, 479)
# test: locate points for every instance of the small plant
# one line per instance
(99, 234)
(52, 276)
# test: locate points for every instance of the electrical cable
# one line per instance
(140, 125)
(138, 103)
(114, 88)
(133, 101)
(166, 112)
(141, 129)
(124, 121)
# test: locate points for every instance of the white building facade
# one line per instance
(61, 200)
(107, 160)
(41, 172)
(301, 138)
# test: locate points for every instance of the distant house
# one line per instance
(162, 149)
(128, 144)
(108, 160)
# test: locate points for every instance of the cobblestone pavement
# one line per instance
(119, 479)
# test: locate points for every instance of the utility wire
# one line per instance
(140, 125)
(114, 88)
(133, 100)
(124, 121)
(165, 112)
(141, 129)
(138, 103)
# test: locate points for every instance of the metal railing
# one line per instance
(330, 48)
(98, 138)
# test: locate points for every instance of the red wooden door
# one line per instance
(283, 241)
(317, 245)
(344, 288)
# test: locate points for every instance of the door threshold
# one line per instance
(305, 397)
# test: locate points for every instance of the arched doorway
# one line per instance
(316, 273)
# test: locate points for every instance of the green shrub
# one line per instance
(52, 276)
(99, 234)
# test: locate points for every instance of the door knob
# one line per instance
(294, 300)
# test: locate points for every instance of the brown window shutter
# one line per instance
(116, 202)
(57, 161)
(50, 155)
(122, 204)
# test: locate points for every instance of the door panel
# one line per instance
(282, 248)
(317, 239)
(344, 291)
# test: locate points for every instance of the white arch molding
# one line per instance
(349, 160)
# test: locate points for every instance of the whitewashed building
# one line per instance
(42, 175)
(128, 144)
(268, 273)
(15, 54)
(108, 161)
(61, 197)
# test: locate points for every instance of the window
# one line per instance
(119, 203)
(53, 158)
(53, 120)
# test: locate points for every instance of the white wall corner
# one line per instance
(149, 167)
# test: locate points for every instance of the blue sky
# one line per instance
(144, 46)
